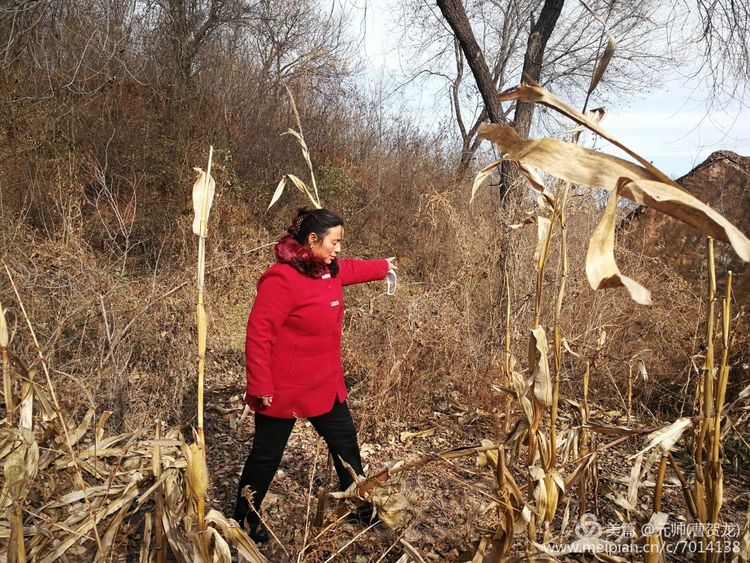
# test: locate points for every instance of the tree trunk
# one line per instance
(532, 60)
(454, 13)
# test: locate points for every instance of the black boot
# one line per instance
(259, 533)
(254, 528)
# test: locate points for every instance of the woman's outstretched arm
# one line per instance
(360, 271)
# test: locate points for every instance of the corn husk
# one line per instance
(4, 336)
(603, 63)
(204, 189)
(541, 374)
(196, 472)
(543, 225)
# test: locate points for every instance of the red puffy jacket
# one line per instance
(293, 345)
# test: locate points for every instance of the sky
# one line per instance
(671, 126)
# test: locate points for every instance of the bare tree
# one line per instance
(559, 48)
(455, 15)
(189, 24)
(724, 38)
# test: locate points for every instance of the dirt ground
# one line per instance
(449, 504)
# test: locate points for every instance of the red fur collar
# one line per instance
(301, 258)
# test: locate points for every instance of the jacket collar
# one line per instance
(301, 258)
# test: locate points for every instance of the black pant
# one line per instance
(271, 434)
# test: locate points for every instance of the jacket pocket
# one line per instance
(284, 364)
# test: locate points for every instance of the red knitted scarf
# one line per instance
(301, 258)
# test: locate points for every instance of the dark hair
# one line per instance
(316, 221)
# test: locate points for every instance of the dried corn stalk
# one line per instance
(311, 194)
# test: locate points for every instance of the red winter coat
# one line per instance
(293, 345)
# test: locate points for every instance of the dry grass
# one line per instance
(448, 352)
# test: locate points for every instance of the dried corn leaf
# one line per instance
(635, 481)
(488, 457)
(530, 91)
(553, 496)
(578, 165)
(611, 430)
(162, 442)
(178, 544)
(210, 547)
(666, 437)
(567, 161)
(544, 450)
(595, 114)
(536, 473)
(482, 176)
(545, 200)
(541, 375)
(389, 504)
(91, 492)
(19, 470)
(109, 536)
(48, 411)
(101, 423)
(301, 186)
(236, 536)
(517, 436)
(688, 209)
(601, 268)
(82, 428)
(145, 495)
(406, 436)
(203, 191)
(579, 471)
(303, 146)
(569, 441)
(567, 348)
(642, 370)
(481, 551)
(83, 530)
(277, 193)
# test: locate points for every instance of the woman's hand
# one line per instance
(265, 401)
(391, 263)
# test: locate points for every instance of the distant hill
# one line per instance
(723, 182)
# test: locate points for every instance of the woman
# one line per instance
(293, 353)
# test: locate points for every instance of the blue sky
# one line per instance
(672, 126)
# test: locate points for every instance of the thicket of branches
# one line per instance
(108, 104)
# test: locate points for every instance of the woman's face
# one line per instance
(329, 246)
